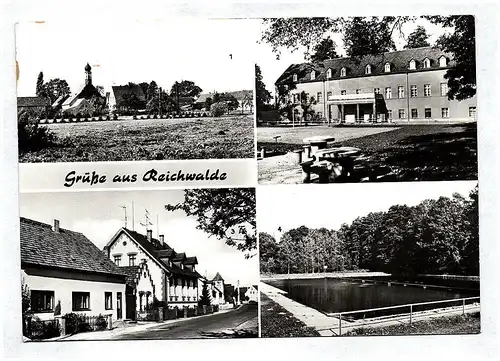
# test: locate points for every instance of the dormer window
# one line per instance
(343, 71)
(443, 61)
(387, 67)
(313, 75)
(368, 69)
(427, 63)
(295, 78)
(413, 64)
(329, 73)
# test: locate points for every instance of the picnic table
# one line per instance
(318, 142)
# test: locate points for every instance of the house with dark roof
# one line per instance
(406, 85)
(119, 93)
(244, 98)
(216, 288)
(154, 271)
(65, 272)
(33, 105)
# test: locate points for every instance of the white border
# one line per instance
(483, 346)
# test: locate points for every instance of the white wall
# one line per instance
(156, 272)
(63, 289)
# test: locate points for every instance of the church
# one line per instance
(87, 101)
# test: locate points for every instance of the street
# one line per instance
(198, 327)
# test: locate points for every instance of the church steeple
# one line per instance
(88, 74)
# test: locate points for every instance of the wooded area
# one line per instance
(438, 236)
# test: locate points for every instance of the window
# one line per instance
(413, 91)
(343, 72)
(414, 113)
(443, 61)
(81, 301)
(376, 90)
(295, 78)
(319, 96)
(387, 67)
(472, 112)
(342, 92)
(389, 114)
(401, 114)
(329, 73)
(445, 113)
(428, 113)
(358, 91)
(427, 63)
(306, 97)
(117, 259)
(444, 89)
(427, 90)
(131, 259)
(401, 92)
(388, 93)
(108, 300)
(329, 95)
(413, 64)
(368, 69)
(42, 301)
(313, 75)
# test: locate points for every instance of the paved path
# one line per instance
(329, 325)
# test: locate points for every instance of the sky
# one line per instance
(98, 215)
(329, 206)
(271, 68)
(215, 54)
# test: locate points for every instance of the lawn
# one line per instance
(154, 139)
(413, 152)
(278, 322)
(447, 325)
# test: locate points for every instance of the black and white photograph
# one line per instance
(131, 265)
(366, 99)
(154, 90)
(374, 259)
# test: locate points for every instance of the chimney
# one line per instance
(149, 235)
(161, 239)
(56, 226)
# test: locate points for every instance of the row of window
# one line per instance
(43, 301)
(132, 259)
(388, 92)
(445, 113)
(426, 64)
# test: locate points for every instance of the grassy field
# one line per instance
(451, 325)
(158, 139)
(414, 152)
(278, 322)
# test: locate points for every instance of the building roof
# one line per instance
(355, 66)
(191, 260)
(131, 272)
(43, 247)
(218, 277)
(120, 90)
(32, 102)
(156, 250)
(256, 287)
(179, 257)
(238, 94)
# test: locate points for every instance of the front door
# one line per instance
(119, 305)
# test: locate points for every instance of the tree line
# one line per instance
(437, 236)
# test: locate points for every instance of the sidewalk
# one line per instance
(329, 326)
(130, 328)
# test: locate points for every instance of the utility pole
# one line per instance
(159, 101)
(125, 210)
(238, 292)
(133, 217)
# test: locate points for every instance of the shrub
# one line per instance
(72, 322)
(101, 323)
(115, 116)
(41, 330)
(218, 109)
(57, 309)
(31, 136)
(134, 117)
(108, 117)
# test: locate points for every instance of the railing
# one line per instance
(410, 306)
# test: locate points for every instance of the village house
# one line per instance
(155, 271)
(252, 293)
(244, 98)
(216, 290)
(33, 105)
(117, 97)
(65, 272)
(400, 85)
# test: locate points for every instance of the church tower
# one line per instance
(88, 74)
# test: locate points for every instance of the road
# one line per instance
(197, 326)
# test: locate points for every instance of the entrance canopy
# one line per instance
(365, 98)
